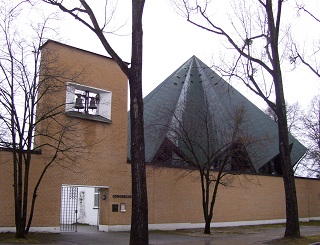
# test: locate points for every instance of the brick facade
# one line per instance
(174, 197)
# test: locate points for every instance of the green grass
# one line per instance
(311, 223)
(242, 230)
(304, 240)
(295, 241)
(32, 238)
(10, 238)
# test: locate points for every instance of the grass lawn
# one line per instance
(296, 241)
(242, 230)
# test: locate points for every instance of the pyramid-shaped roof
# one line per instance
(192, 85)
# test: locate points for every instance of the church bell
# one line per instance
(78, 105)
(92, 104)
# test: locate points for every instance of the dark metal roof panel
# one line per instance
(187, 87)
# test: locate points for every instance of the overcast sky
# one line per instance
(169, 40)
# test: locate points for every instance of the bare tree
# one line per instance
(198, 140)
(297, 128)
(254, 37)
(311, 125)
(305, 125)
(308, 55)
(22, 90)
(294, 113)
(85, 14)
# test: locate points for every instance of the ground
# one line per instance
(246, 230)
(264, 234)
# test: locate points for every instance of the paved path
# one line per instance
(90, 235)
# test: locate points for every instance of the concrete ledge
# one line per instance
(168, 226)
(176, 226)
(108, 228)
(314, 218)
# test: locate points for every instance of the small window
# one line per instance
(88, 102)
(96, 197)
(115, 208)
(123, 207)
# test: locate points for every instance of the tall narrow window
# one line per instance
(96, 197)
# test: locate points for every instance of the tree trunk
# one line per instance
(21, 201)
(20, 224)
(292, 217)
(205, 186)
(139, 218)
(20, 229)
(207, 227)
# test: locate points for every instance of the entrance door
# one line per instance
(69, 208)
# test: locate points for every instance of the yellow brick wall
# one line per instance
(174, 196)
